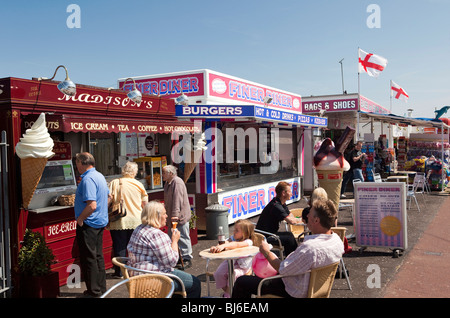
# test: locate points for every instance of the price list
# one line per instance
(380, 214)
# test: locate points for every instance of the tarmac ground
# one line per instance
(421, 271)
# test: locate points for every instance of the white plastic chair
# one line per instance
(427, 181)
(377, 177)
(411, 194)
(420, 183)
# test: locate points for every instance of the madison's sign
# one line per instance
(88, 99)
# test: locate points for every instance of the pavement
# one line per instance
(421, 271)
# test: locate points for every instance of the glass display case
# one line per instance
(149, 168)
(58, 178)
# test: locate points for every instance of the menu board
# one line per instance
(380, 214)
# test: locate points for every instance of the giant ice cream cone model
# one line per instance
(34, 149)
(331, 181)
(330, 165)
(31, 170)
(189, 165)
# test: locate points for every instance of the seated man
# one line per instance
(320, 249)
(275, 212)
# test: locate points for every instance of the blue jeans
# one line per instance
(191, 284)
(357, 174)
(348, 175)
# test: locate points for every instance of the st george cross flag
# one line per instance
(370, 63)
(398, 92)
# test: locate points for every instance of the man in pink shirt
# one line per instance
(322, 248)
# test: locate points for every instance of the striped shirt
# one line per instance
(151, 249)
(316, 251)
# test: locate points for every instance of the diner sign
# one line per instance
(250, 201)
(168, 86)
(239, 90)
(380, 214)
(213, 87)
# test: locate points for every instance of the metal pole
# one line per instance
(442, 158)
(342, 76)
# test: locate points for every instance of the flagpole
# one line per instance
(390, 95)
(359, 102)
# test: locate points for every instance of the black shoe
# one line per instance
(187, 263)
(88, 294)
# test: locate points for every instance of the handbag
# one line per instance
(116, 208)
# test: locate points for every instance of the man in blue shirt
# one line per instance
(91, 213)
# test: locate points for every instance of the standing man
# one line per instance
(275, 212)
(177, 206)
(357, 159)
(91, 213)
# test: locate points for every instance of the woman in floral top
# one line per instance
(152, 249)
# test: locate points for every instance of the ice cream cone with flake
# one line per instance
(34, 150)
(330, 165)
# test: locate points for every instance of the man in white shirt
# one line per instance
(320, 249)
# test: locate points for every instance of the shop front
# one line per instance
(421, 145)
(254, 135)
(104, 122)
(344, 110)
(393, 143)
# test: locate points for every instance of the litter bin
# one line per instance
(216, 215)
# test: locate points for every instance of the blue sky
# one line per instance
(291, 45)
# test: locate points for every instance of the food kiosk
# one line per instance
(241, 175)
(104, 122)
